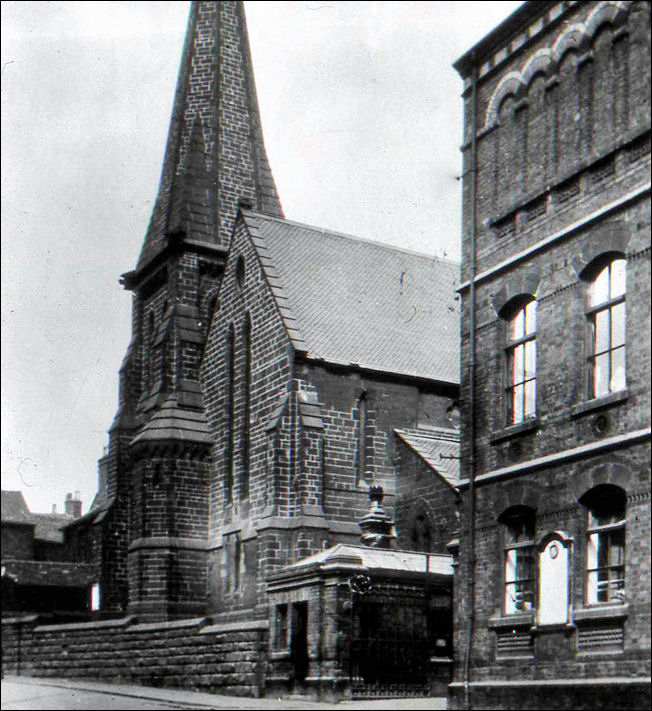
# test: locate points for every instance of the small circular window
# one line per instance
(240, 271)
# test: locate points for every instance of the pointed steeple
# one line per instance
(215, 153)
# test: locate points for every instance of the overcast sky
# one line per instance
(362, 121)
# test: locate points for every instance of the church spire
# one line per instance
(215, 153)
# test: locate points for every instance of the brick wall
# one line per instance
(17, 541)
(563, 150)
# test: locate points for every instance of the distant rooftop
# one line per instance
(48, 526)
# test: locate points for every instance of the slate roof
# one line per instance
(356, 302)
(47, 527)
(14, 508)
(172, 421)
(49, 573)
(379, 559)
(439, 448)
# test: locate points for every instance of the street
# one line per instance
(61, 694)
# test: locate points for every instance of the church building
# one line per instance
(281, 381)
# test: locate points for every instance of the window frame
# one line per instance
(512, 346)
(592, 310)
(526, 517)
(281, 626)
(607, 534)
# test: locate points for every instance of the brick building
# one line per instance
(275, 371)
(552, 590)
(37, 573)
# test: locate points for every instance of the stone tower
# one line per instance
(155, 476)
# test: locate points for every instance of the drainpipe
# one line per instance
(471, 174)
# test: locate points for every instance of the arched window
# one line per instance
(246, 386)
(518, 595)
(605, 544)
(361, 426)
(230, 355)
(606, 329)
(521, 364)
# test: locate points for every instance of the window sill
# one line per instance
(598, 403)
(608, 612)
(280, 654)
(521, 619)
(514, 430)
(553, 627)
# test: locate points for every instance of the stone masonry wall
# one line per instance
(425, 508)
(188, 653)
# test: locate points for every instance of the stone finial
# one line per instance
(376, 526)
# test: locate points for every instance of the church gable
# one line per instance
(246, 372)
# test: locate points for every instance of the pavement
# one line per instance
(63, 694)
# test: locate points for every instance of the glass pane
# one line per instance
(592, 587)
(601, 375)
(517, 403)
(524, 564)
(618, 325)
(592, 551)
(518, 364)
(530, 398)
(530, 359)
(531, 317)
(517, 326)
(602, 550)
(510, 599)
(616, 552)
(599, 288)
(617, 286)
(602, 583)
(601, 334)
(617, 370)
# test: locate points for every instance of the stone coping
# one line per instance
(600, 681)
(169, 625)
(93, 625)
(245, 626)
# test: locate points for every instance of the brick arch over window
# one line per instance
(608, 238)
(612, 12)
(604, 472)
(515, 286)
(510, 84)
(539, 62)
(516, 494)
(575, 37)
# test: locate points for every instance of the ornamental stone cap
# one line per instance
(376, 526)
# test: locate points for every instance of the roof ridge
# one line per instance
(355, 238)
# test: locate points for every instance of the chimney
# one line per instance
(72, 507)
(376, 526)
(54, 508)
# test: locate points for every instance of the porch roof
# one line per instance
(377, 559)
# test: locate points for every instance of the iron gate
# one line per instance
(390, 649)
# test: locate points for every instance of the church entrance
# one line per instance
(299, 641)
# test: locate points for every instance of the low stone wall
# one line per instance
(227, 658)
(578, 695)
